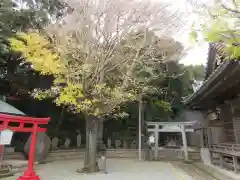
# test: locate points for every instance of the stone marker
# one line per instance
(171, 143)
(118, 143)
(67, 143)
(125, 145)
(79, 140)
(109, 143)
(78, 131)
(55, 141)
(133, 145)
(9, 149)
(42, 146)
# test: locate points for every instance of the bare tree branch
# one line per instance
(111, 38)
(230, 9)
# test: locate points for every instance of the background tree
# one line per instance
(166, 103)
(163, 105)
(17, 76)
(221, 24)
(95, 62)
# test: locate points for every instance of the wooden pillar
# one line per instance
(235, 164)
(184, 140)
(156, 141)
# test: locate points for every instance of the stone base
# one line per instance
(29, 175)
(28, 178)
(9, 150)
(206, 156)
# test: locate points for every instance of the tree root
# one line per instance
(88, 169)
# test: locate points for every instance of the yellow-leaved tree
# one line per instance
(96, 55)
(37, 50)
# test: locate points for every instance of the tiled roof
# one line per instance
(220, 49)
(215, 73)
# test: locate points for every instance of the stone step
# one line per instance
(119, 153)
(66, 150)
(111, 153)
(8, 174)
(177, 155)
(14, 155)
(65, 154)
(74, 154)
(61, 158)
(167, 155)
(194, 156)
(4, 170)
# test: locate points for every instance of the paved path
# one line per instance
(119, 169)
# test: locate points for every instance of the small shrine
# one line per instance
(171, 127)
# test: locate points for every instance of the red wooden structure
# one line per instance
(6, 119)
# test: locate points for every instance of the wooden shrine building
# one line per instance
(218, 98)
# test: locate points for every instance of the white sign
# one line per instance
(6, 137)
(171, 127)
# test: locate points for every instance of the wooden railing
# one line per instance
(226, 148)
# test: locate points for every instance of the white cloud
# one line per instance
(197, 55)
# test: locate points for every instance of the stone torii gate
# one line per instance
(182, 127)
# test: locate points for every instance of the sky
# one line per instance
(197, 52)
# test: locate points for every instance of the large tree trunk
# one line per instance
(90, 161)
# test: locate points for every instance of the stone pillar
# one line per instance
(184, 140)
(235, 164)
(156, 141)
(202, 137)
(206, 156)
(209, 136)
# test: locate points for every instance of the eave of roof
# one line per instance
(206, 83)
(6, 108)
(213, 49)
(219, 48)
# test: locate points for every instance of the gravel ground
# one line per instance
(119, 169)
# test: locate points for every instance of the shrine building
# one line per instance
(218, 99)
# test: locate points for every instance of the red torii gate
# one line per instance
(5, 119)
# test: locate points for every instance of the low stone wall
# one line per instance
(175, 154)
(79, 153)
(14, 156)
(58, 155)
(165, 155)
